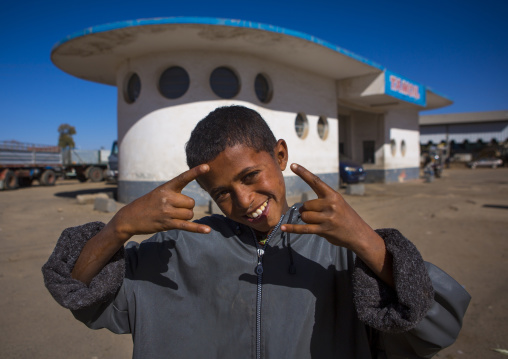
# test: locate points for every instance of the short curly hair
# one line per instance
(226, 127)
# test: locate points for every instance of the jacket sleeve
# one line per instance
(440, 326)
(102, 304)
(421, 315)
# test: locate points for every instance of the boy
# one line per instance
(266, 281)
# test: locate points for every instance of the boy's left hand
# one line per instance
(329, 216)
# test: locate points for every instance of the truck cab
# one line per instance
(112, 171)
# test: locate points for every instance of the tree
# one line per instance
(65, 139)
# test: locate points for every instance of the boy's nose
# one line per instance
(243, 198)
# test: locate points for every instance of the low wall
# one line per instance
(392, 175)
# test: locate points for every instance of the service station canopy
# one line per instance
(95, 54)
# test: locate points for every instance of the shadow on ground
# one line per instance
(498, 206)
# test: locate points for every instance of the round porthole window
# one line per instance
(174, 82)
(322, 127)
(393, 147)
(224, 82)
(403, 148)
(132, 88)
(301, 125)
(263, 88)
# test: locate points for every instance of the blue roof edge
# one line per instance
(226, 22)
(218, 22)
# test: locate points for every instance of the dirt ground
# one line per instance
(459, 222)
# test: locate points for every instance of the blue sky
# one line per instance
(457, 48)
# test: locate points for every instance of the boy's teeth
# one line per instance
(258, 211)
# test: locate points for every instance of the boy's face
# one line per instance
(248, 186)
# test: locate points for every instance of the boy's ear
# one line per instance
(281, 154)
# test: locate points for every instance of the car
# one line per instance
(491, 162)
(350, 171)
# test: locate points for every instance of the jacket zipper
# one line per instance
(259, 272)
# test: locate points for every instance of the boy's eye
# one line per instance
(220, 196)
(250, 176)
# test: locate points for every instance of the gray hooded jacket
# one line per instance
(220, 295)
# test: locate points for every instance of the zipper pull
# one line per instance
(259, 267)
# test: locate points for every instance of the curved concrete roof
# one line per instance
(94, 53)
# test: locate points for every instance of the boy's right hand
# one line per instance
(162, 209)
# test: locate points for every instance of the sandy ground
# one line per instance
(459, 222)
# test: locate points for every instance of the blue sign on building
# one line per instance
(403, 89)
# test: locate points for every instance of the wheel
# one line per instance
(48, 178)
(10, 180)
(95, 174)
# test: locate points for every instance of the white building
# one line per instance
(460, 127)
(171, 72)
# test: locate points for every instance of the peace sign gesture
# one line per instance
(162, 209)
(329, 216)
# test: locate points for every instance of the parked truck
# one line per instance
(85, 164)
(21, 163)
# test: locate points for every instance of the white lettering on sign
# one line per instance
(404, 87)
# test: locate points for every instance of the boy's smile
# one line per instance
(248, 186)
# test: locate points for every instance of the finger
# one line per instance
(314, 217)
(178, 200)
(335, 203)
(179, 182)
(181, 213)
(302, 228)
(317, 185)
(314, 205)
(191, 226)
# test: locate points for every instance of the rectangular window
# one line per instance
(369, 151)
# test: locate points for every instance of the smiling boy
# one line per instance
(265, 281)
